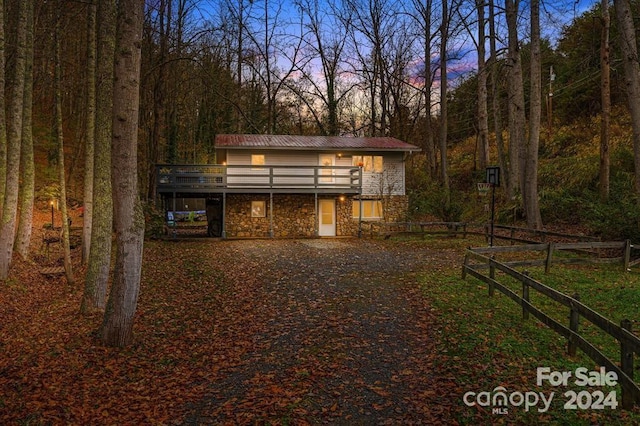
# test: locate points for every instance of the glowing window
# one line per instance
(257, 160)
(371, 209)
(369, 163)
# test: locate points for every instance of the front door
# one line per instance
(326, 218)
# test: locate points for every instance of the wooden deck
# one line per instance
(213, 178)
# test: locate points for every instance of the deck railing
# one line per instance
(214, 177)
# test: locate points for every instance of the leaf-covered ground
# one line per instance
(235, 332)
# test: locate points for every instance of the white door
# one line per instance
(326, 218)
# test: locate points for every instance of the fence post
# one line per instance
(626, 365)
(464, 265)
(547, 263)
(492, 275)
(627, 255)
(525, 296)
(574, 319)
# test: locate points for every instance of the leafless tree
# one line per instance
(97, 276)
(27, 165)
(14, 136)
(117, 327)
(530, 184)
(59, 135)
(629, 49)
(605, 90)
(517, 120)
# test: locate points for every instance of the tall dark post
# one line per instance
(493, 211)
(493, 177)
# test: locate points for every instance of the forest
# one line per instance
(96, 93)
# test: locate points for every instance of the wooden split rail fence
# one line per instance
(478, 260)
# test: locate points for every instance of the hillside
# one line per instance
(568, 181)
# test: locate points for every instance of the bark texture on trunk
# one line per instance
(128, 215)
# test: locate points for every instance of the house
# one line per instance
(293, 186)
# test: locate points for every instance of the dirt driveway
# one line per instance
(345, 336)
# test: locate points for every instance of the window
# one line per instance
(257, 161)
(327, 160)
(369, 163)
(371, 209)
(258, 209)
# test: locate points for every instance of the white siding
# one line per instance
(390, 182)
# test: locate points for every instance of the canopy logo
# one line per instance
(500, 400)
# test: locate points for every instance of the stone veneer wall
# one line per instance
(396, 208)
(294, 215)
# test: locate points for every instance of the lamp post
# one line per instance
(493, 177)
(52, 224)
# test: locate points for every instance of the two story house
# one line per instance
(293, 186)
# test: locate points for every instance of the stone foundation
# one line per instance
(294, 215)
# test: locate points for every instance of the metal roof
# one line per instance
(312, 142)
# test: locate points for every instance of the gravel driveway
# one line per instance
(345, 336)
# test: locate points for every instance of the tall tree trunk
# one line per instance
(605, 93)
(3, 116)
(444, 35)
(483, 120)
(629, 50)
(117, 328)
(95, 287)
(430, 150)
(495, 100)
(517, 121)
(68, 269)
(27, 166)
(14, 139)
(90, 127)
(534, 219)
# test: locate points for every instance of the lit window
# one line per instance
(257, 160)
(369, 163)
(371, 209)
(257, 209)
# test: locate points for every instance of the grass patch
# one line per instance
(484, 343)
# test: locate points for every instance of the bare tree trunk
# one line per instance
(117, 328)
(68, 269)
(483, 121)
(90, 126)
(629, 50)
(517, 152)
(3, 115)
(14, 140)
(495, 100)
(430, 150)
(97, 278)
(444, 35)
(605, 93)
(532, 206)
(27, 166)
